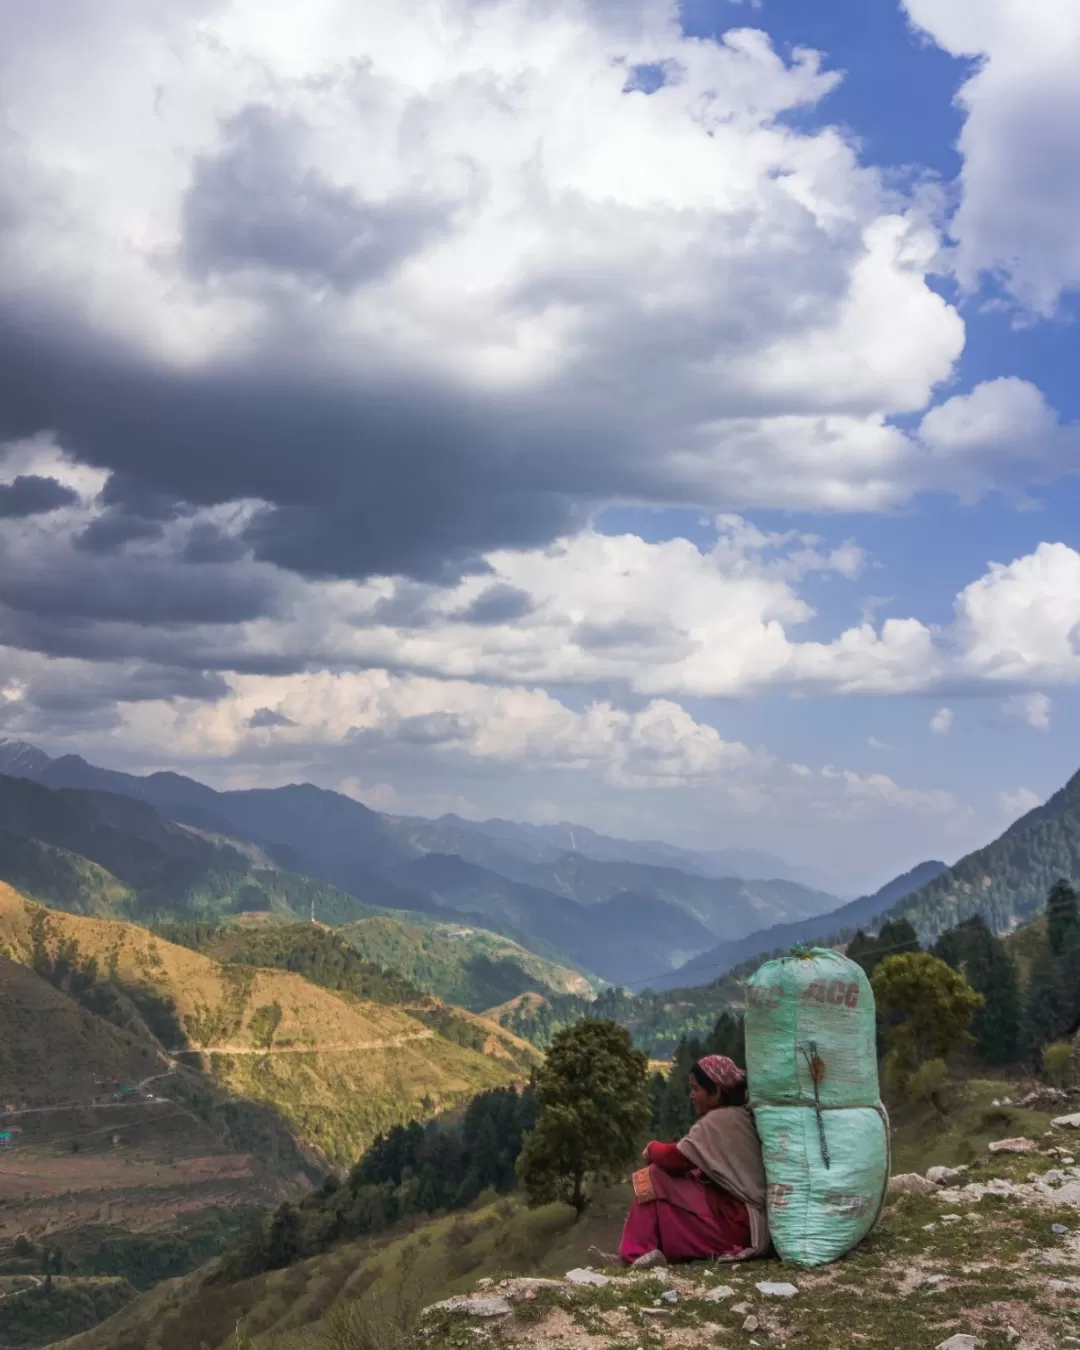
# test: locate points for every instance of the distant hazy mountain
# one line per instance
(626, 938)
(866, 910)
(544, 843)
(109, 855)
(663, 912)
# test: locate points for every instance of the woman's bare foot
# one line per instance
(605, 1258)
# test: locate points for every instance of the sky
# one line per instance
(659, 417)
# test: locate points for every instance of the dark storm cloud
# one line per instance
(269, 717)
(148, 591)
(383, 476)
(498, 604)
(31, 495)
(145, 684)
(257, 205)
(110, 532)
(207, 544)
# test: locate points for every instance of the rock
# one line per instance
(485, 1283)
(1068, 1122)
(740, 1309)
(655, 1312)
(1067, 1159)
(525, 1290)
(721, 1292)
(586, 1276)
(910, 1183)
(1069, 1285)
(776, 1290)
(952, 1218)
(1015, 1146)
(466, 1306)
(946, 1176)
(929, 1227)
(751, 1325)
(670, 1296)
(959, 1343)
(1058, 1229)
(1054, 1177)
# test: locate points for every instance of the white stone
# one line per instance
(910, 1183)
(1069, 1285)
(952, 1218)
(946, 1176)
(1020, 1145)
(721, 1292)
(586, 1276)
(1054, 1177)
(751, 1324)
(670, 1296)
(959, 1343)
(741, 1309)
(464, 1306)
(772, 1289)
(1068, 1122)
(1058, 1229)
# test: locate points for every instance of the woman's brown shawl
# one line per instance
(724, 1145)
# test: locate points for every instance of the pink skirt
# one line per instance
(685, 1217)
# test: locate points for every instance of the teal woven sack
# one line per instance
(811, 1059)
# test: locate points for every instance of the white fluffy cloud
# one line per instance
(1018, 803)
(941, 722)
(1034, 709)
(476, 195)
(1019, 217)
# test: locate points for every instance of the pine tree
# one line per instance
(1062, 916)
(986, 964)
(1046, 1006)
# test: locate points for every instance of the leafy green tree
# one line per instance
(932, 1005)
(593, 1096)
(1062, 916)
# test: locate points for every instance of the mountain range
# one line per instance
(166, 845)
(194, 852)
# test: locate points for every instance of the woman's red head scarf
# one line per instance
(724, 1072)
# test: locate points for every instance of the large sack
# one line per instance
(811, 1059)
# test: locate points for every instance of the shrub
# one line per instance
(1057, 1063)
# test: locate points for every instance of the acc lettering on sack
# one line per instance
(839, 1205)
(837, 992)
(758, 997)
(778, 1195)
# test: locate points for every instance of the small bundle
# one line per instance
(811, 1059)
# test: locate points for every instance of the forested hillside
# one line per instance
(1007, 882)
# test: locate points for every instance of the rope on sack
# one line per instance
(816, 1065)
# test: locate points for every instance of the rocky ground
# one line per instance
(986, 1256)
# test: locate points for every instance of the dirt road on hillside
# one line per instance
(390, 1043)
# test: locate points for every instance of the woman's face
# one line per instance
(703, 1100)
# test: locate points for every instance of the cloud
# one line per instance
(269, 717)
(875, 744)
(1019, 215)
(1034, 709)
(1019, 803)
(426, 286)
(941, 722)
(31, 495)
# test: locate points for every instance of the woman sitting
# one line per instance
(704, 1196)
